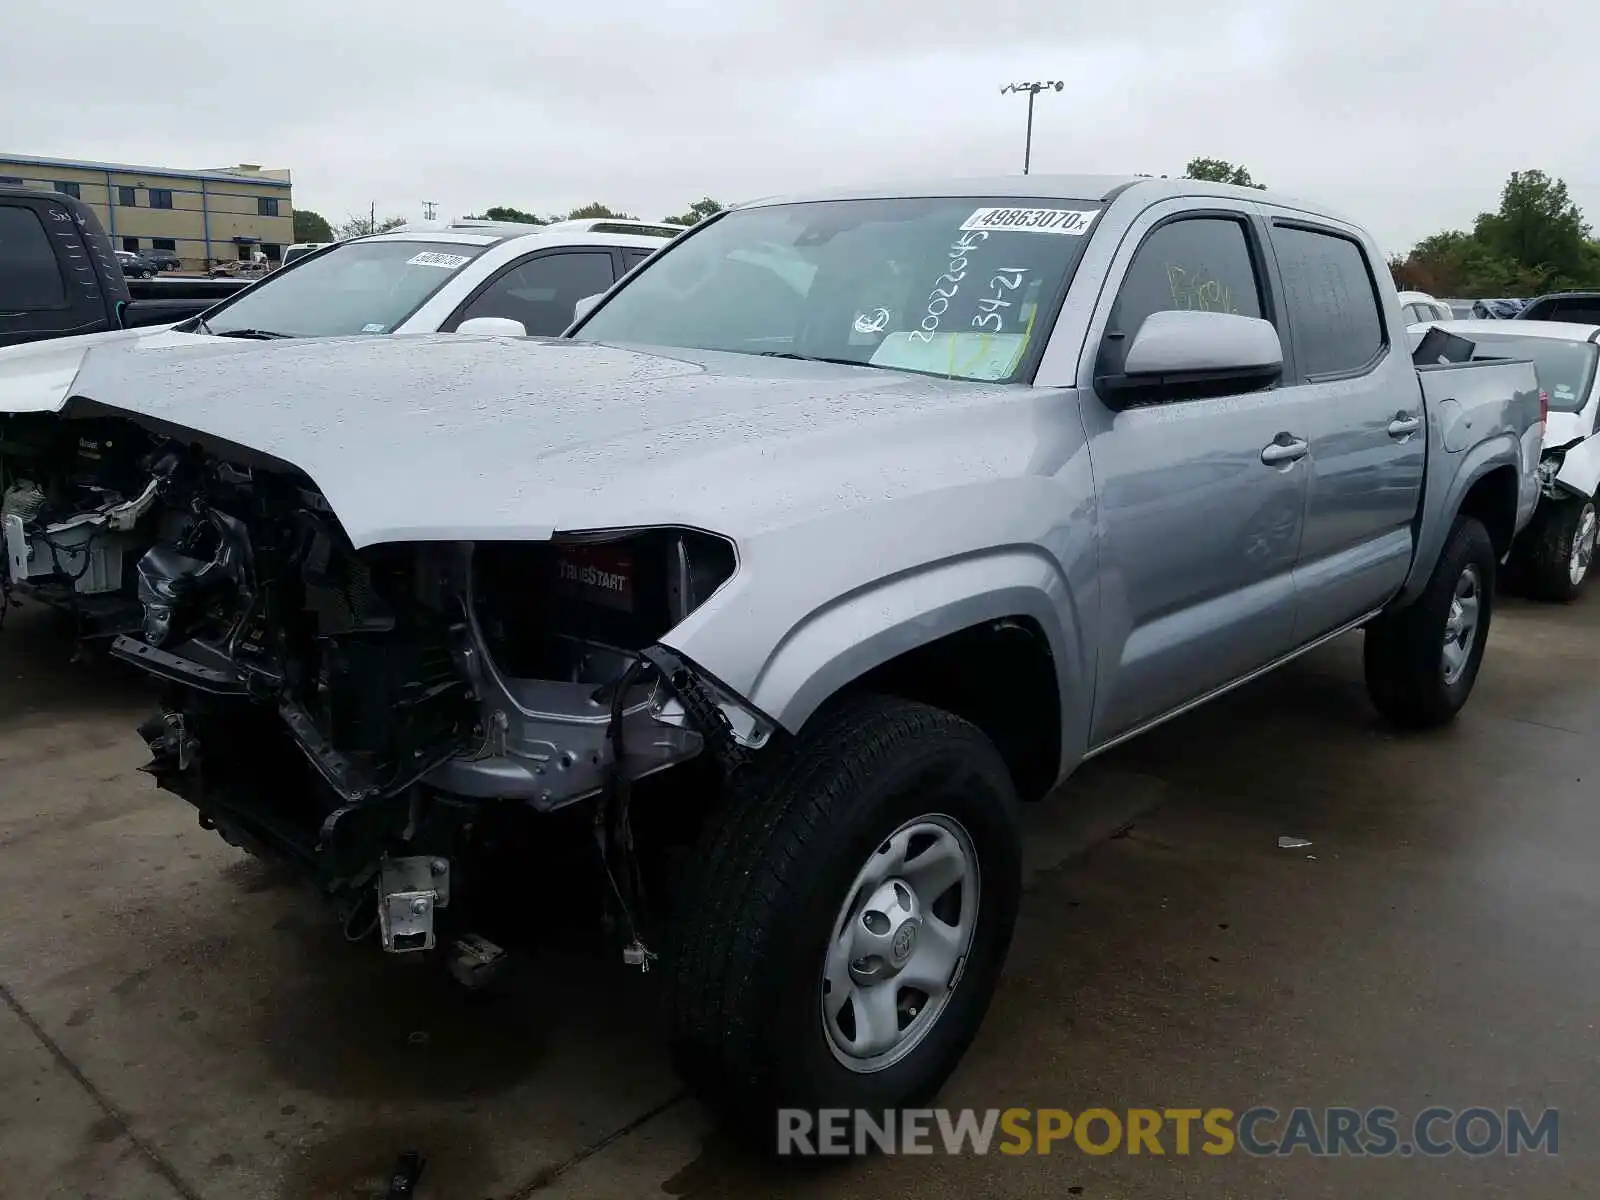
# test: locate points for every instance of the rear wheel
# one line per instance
(845, 924)
(1555, 553)
(1422, 660)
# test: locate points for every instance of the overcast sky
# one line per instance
(1406, 114)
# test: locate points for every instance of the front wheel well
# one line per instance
(1492, 500)
(1001, 676)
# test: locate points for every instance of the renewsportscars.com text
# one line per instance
(1319, 1132)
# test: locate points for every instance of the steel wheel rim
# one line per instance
(1461, 625)
(1582, 546)
(899, 944)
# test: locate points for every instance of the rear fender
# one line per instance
(1449, 481)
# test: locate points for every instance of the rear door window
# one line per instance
(1331, 299)
(30, 276)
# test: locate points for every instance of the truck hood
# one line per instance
(37, 376)
(444, 437)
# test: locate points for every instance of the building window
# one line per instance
(10, 181)
(164, 244)
(127, 197)
(160, 197)
(67, 189)
(131, 244)
(266, 206)
(273, 252)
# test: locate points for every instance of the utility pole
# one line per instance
(429, 209)
(372, 216)
(1032, 89)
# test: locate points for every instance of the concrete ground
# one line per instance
(179, 1021)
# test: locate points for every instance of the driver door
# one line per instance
(1201, 496)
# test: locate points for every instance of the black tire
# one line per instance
(1404, 654)
(773, 871)
(1545, 549)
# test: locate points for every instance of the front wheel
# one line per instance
(1555, 552)
(1422, 660)
(845, 924)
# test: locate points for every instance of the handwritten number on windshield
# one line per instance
(1006, 279)
(939, 299)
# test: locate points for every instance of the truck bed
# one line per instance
(1478, 414)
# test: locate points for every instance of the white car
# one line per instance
(466, 276)
(1555, 551)
(1419, 306)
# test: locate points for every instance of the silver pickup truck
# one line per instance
(840, 526)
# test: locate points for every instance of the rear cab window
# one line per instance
(1331, 299)
(30, 275)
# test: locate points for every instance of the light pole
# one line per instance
(1033, 89)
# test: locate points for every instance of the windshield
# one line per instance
(1565, 369)
(948, 286)
(359, 287)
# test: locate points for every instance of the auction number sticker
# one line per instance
(434, 258)
(1075, 222)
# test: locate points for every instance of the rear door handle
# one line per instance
(1404, 425)
(1283, 449)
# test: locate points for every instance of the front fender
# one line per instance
(840, 642)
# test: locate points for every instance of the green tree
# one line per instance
(501, 212)
(1536, 241)
(1539, 229)
(1218, 170)
(311, 227)
(698, 211)
(597, 209)
(362, 224)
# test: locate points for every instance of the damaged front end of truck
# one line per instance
(365, 714)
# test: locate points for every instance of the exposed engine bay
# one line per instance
(74, 503)
(362, 712)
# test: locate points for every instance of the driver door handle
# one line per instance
(1404, 425)
(1283, 449)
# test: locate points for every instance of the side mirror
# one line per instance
(1188, 353)
(503, 326)
(584, 307)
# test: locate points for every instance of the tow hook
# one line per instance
(410, 891)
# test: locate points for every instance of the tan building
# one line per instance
(202, 216)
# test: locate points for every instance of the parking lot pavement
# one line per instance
(178, 1020)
